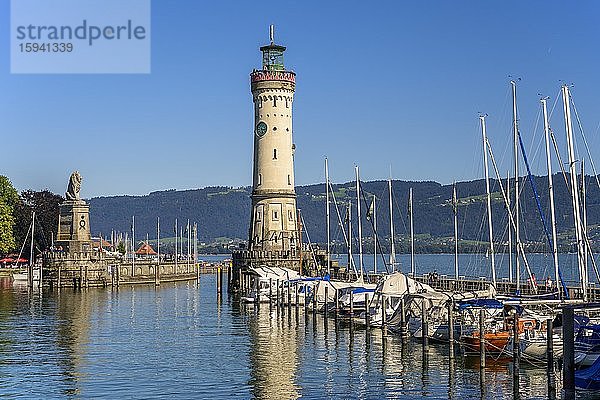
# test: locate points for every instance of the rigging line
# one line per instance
(560, 161)
(308, 238)
(535, 193)
(587, 148)
(377, 242)
(536, 151)
(399, 211)
(346, 239)
(558, 96)
(519, 245)
(25, 241)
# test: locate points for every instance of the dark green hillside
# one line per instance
(223, 212)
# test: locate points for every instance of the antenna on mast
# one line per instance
(272, 33)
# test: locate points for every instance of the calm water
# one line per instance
(182, 341)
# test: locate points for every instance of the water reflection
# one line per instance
(183, 341)
(273, 355)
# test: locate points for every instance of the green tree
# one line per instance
(46, 207)
(9, 198)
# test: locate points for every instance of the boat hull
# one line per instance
(495, 342)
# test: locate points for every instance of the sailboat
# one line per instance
(32, 274)
(355, 292)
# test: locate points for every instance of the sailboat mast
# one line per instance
(360, 248)
(509, 230)
(327, 213)
(349, 220)
(176, 245)
(133, 242)
(196, 252)
(551, 193)
(374, 216)
(585, 230)
(516, 172)
(455, 210)
(412, 232)
(393, 248)
(31, 254)
(574, 186)
(189, 243)
(489, 198)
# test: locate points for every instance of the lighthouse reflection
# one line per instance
(273, 355)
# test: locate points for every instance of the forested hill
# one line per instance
(224, 211)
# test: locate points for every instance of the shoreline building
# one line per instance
(274, 237)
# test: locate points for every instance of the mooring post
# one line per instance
(221, 280)
(314, 304)
(367, 317)
(451, 330)
(403, 328)
(257, 296)
(306, 299)
(337, 303)
(270, 292)
(218, 276)
(277, 295)
(351, 303)
(550, 358)
(482, 338)
(383, 315)
(568, 353)
(228, 275)
(424, 326)
(326, 307)
(289, 296)
(516, 355)
(156, 269)
(297, 297)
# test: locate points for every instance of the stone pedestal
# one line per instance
(74, 227)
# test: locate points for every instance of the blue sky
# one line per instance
(378, 83)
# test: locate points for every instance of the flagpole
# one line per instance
(175, 245)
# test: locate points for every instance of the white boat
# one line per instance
(393, 287)
(24, 276)
(265, 282)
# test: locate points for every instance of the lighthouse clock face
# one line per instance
(261, 129)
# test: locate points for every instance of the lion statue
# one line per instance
(72, 193)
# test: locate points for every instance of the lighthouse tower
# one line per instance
(274, 236)
(273, 223)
